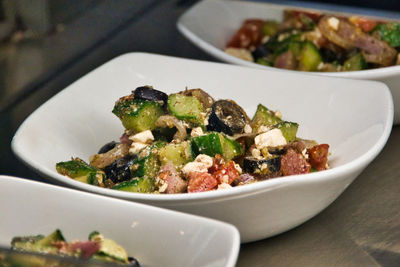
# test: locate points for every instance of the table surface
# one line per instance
(361, 228)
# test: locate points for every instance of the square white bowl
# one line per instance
(210, 24)
(78, 121)
(154, 236)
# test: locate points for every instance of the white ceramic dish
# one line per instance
(154, 236)
(78, 121)
(210, 24)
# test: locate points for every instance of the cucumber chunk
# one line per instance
(310, 57)
(263, 116)
(187, 108)
(178, 154)
(147, 162)
(138, 185)
(288, 129)
(216, 143)
(108, 248)
(38, 243)
(137, 115)
(79, 170)
(356, 62)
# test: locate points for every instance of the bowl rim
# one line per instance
(352, 166)
(222, 55)
(230, 229)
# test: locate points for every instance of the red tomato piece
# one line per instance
(318, 156)
(218, 162)
(227, 173)
(365, 24)
(294, 163)
(200, 182)
(314, 16)
(250, 34)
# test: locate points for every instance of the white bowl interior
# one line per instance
(156, 237)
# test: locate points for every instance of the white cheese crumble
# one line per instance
(136, 147)
(197, 132)
(240, 53)
(256, 153)
(271, 138)
(247, 129)
(278, 114)
(263, 129)
(333, 23)
(200, 164)
(142, 137)
(237, 167)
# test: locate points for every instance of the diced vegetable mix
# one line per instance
(96, 248)
(192, 143)
(310, 41)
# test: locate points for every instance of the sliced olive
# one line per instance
(227, 117)
(120, 170)
(263, 166)
(107, 147)
(150, 94)
(133, 262)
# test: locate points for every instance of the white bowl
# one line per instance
(152, 235)
(78, 121)
(210, 24)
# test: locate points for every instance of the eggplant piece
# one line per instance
(120, 170)
(227, 117)
(263, 166)
(107, 147)
(150, 94)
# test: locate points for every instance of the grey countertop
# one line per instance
(361, 228)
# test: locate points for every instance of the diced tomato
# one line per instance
(294, 163)
(200, 182)
(218, 162)
(318, 156)
(250, 34)
(365, 24)
(227, 173)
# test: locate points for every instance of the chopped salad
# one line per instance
(311, 41)
(97, 248)
(189, 142)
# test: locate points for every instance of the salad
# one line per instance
(97, 248)
(311, 41)
(188, 142)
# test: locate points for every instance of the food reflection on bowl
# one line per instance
(288, 38)
(324, 108)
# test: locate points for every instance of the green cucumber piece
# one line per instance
(38, 243)
(187, 108)
(270, 28)
(137, 115)
(288, 129)
(179, 154)
(139, 185)
(147, 161)
(356, 62)
(309, 57)
(231, 148)
(216, 143)
(263, 116)
(108, 248)
(79, 170)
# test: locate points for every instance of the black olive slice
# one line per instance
(107, 147)
(227, 117)
(150, 94)
(119, 170)
(253, 165)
